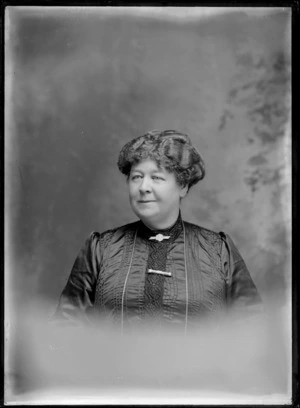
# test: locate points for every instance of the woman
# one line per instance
(160, 268)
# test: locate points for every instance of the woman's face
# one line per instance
(154, 194)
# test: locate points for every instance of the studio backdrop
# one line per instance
(81, 82)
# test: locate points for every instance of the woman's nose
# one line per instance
(145, 185)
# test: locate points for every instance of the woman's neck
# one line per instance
(161, 225)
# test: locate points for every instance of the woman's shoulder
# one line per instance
(206, 233)
(113, 232)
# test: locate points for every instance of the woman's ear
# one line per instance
(183, 191)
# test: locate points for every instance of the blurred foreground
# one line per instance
(240, 361)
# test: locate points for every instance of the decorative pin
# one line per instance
(160, 237)
(159, 272)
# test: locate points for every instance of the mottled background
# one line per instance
(82, 82)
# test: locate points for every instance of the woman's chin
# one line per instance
(145, 211)
(146, 216)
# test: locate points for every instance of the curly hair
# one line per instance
(170, 149)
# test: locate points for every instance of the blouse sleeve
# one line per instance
(241, 292)
(78, 296)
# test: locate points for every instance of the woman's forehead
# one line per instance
(147, 165)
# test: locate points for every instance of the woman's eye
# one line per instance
(157, 178)
(136, 176)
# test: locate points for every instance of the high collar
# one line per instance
(172, 231)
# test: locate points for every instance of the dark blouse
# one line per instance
(203, 273)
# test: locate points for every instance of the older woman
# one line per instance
(159, 268)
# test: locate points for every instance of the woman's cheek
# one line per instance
(132, 190)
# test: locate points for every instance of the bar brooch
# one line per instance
(159, 272)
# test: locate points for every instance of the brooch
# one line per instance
(160, 237)
(159, 272)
